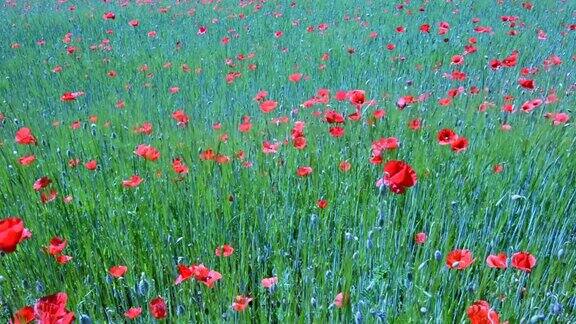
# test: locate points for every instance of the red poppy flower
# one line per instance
(224, 250)
(71, 96)
(415, 124)
(446, 136)
(344, 166)
(261, 95)
(295, 77)
(445, 101)
(511, 60)
(459, 145)
(459, 259)
(222, 159)
(398, 175)
(184, 273)
(11, 233)
(498, 168)
(559, 118)
(91, 165)
(24, 315)
(41, 183)
(133, 312)
(495, 64)
(420, 238)
(52, 309)
(109, 16)
(27, 160)
(205, 275)
(179, 167)
(24, 136)
(340, 300)
(48, 197)
(207, 155)
(57, 245)
(145, 128)
(357, 97)
(117, 271)
(269, 282)
(157, 307)
(322, 203)
(133, 182)
(198, 272)
(341, 95)
(379, 113)
(526, 83)
(523, 261)
(240, 303)
(497, 261)
(333, 117)
(268, 106)
(383, 144)
(481, 313)
(304, 171)
(336, 132)
(299, 142)
(530, 105)
(270, 148)
(63, 259)
(147, 152)
(180, 117)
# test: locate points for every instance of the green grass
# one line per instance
(363, 242)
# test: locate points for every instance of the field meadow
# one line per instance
(287, 162)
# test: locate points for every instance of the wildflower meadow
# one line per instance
(260, 161)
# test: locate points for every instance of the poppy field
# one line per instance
(287, 161)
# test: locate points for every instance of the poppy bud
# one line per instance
(39, 287)
(358, 317)
(180, 310)
(556, 308)
(423, 310)
(84, 319)
(143, 286)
